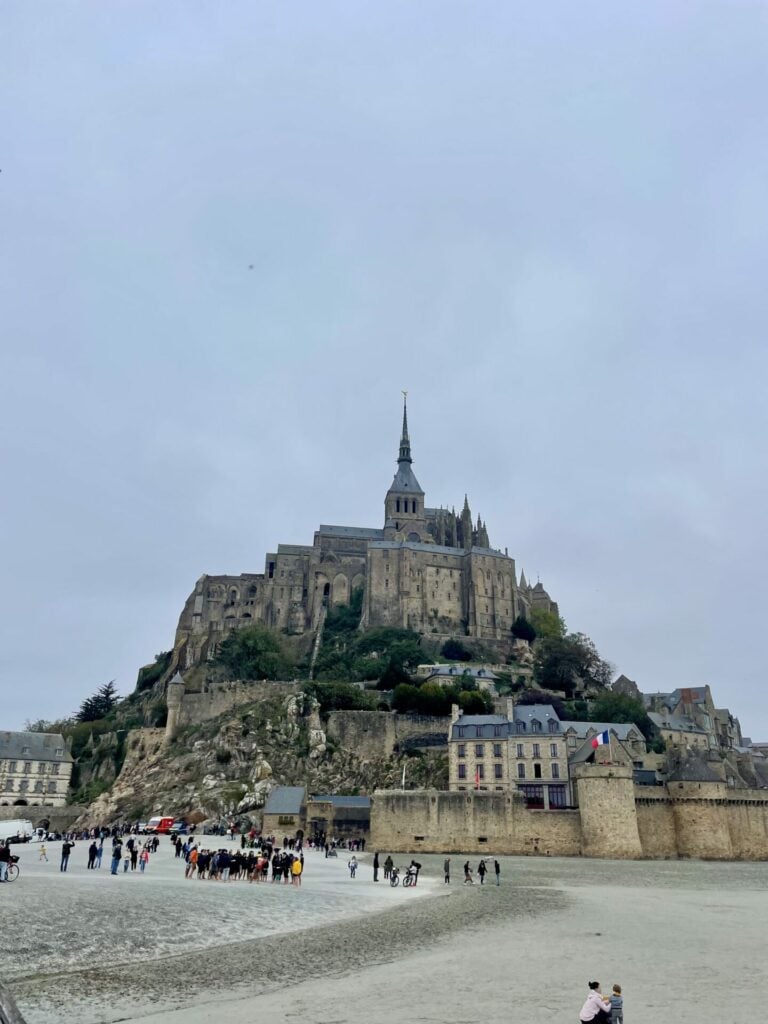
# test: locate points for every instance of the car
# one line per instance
(178, 828)
(17, 839)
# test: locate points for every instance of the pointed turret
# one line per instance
(404, 503)
(465, 525)
(523, 581)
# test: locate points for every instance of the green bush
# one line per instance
(339, 696)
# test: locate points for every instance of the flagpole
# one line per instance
(403, 782)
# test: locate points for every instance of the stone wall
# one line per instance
(697, 820)
(59, 818)
(220, 698)
(380, 734)
(490, 823)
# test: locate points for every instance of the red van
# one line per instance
(161, 826)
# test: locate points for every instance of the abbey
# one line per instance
(428, 569)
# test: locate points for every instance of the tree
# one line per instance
(547, 624)
(254, 653)
(392, 676)
(620, 707)
(99, 705)
(569, 663)
(455, 650)
(522, 629)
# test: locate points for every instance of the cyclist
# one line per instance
(5, 860)
(413, 870)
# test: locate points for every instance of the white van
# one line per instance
(18, 827)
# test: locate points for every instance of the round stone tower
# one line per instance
(701, 819)
(173, 698)
(606, 798)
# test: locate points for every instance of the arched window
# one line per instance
(397, 505)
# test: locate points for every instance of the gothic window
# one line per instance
(271, 571)
(397, 505)
(386, 584)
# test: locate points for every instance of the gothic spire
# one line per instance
(405, 441)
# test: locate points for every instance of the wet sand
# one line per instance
(685, 940)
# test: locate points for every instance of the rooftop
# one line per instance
(285, 800)
(34, 746)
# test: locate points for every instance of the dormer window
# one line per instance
(478, 730)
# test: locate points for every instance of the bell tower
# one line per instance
(404, 516)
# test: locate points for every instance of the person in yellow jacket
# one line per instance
(296, 869)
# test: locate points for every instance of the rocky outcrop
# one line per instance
(226, 766)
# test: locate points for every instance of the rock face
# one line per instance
(226, 766)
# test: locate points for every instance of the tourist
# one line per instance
(296, 870)
(134, 856)
(468, 879)
(447, 870)
(99, 852)
(388, 865)
(617, 1005)
(117, 853)
(92, 851)
(43, 853)
(497, 871)
(376, 866)
(5, 860)
(144, 857)
(413, 869)
(352, 865)
(66, 848)
(596, 1008)
(481, 869)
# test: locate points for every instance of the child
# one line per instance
(43, 853)
(617, 1006)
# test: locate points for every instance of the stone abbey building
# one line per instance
(427, 569)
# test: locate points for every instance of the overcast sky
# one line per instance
(547, 221)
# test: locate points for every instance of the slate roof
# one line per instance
(42, 746)
(543, 712)
(349, 531)
(456, 672)
(680, 723)
(693, 769)
(285, 800)
(582, 729)
(405, 480)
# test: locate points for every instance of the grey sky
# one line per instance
(547, 221)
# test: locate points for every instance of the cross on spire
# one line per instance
(405, 441)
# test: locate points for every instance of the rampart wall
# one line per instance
(380, 734)
(696, 820)
(59, 818)
(220, 698)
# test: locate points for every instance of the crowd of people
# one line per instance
(260, 863)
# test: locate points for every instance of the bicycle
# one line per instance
(394, 878)
(13, 870)
(409, 879)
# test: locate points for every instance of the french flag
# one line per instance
(600, 740)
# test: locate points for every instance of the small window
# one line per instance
(461, 730)
(397, 505)
(478, 730)
(498, 771)
(555, 770)
(554, 726)
(480, 771)
(462, 751)
(536, 750)
(462, 771)
(553, 750)
(25, 750)
(479, 749)
(51, 787)
(521, 771)
(537, 771)
(520, 750)
(497, 750)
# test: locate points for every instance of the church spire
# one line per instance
(405, 441)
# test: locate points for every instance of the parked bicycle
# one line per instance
(394, 878)
(13, 869)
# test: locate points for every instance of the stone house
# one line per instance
(285, 812)
(35, 769)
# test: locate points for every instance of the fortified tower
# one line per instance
(607, 810)
(173, 697)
